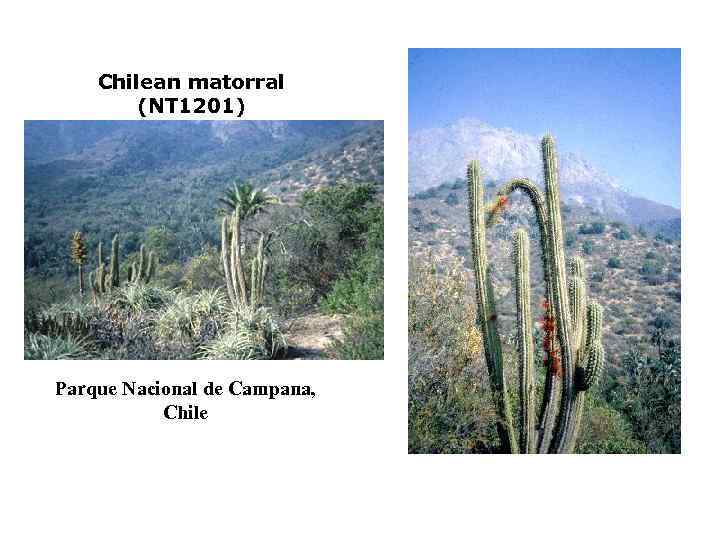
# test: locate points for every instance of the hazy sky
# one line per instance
(619, 108)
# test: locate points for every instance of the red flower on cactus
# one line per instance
(552, 354)
(498, 207)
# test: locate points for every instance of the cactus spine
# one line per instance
(576, 325)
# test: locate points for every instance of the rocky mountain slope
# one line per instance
(634, 274)
(166, 177)
(441, 154)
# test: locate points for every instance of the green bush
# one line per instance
(452, 199)
(359, 293)
(622, 234)
(606, 431)
(592, 228)
(650, 396)
(614, 262)
(587, 247)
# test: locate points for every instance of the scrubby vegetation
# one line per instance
(636, 409)
(324, 252)
(634, 275)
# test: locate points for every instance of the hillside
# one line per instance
(125, 256)
(440, 155)
(132, 177)
(646, 283)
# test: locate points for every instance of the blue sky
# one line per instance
(619, 108)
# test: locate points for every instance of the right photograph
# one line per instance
(544, 294)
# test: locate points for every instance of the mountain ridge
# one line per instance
(438, 155)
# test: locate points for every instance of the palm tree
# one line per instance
(241, 202)
(246, 200)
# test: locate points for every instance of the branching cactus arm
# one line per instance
(572, 326)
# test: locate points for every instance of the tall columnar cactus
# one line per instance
(242, 293)
(521, 259)
(115, 263)
(143, 270)
(103, 281)
(573, 327)
(99, 282)
(486, 318)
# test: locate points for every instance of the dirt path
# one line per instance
(309, 336)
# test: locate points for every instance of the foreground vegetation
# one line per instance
(634, 409)
(323, 252)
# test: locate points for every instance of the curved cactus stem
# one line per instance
(526, 356)
(485, 315)
(537, 200)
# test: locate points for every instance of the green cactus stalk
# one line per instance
(152, 267)
(115, 263)
(225, 252)
(100, 273)
(574, 326)
(526, 356)
(486, 316)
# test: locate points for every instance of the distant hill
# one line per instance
(104, 177)
(439, 155)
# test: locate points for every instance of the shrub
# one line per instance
(622, 234)
(614, 262)
(606, 431)
(570, 239)
(359, 293)
(649, 268)
(593, 228)
(650, 396)
(449, 407)
(452, 199)
(363, 339)
(587, 247)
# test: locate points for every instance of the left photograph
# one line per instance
(184, 240)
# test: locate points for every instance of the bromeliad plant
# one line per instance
(572, 326)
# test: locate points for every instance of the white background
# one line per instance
(335, 467)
